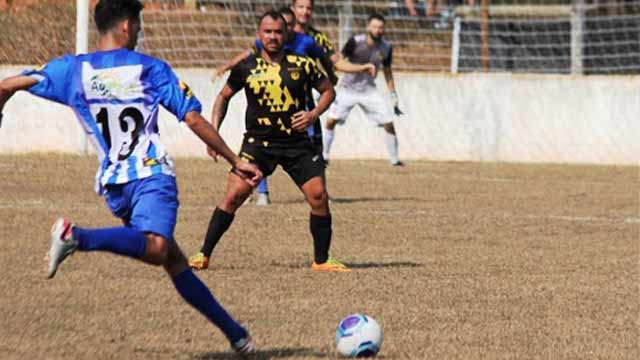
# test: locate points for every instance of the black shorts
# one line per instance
(300, 158)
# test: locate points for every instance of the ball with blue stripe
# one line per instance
(358, 335)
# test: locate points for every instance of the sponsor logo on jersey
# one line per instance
(106, 85)
(188, 93)
(121, 82)
(152, 161)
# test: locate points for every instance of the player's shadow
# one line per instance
(364, 265)
(262, 354)
(392, 264)
(365, 199)
(353, 200)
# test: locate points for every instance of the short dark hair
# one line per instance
(286, 10)
(376, 16)
(109, 12)
(293, 2)
(275, 15)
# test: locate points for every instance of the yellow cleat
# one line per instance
(332, 265)
(199, 261)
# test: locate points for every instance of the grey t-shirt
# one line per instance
(357, 51)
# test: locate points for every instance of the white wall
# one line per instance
(478, 117)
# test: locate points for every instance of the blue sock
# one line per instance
(198, 295)
(263, 187)
(121, 240)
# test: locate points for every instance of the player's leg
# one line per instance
(155, 213)
(129, 241)
(329, 133)
(338, 113)
(379, 112)
(196, 293)
(307, 171)
(320, 226)
(263, 193)
(149, 207)
(391, 141)
(237, 192)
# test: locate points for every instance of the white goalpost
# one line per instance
(82, 47)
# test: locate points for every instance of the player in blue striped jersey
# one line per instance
(116, 94)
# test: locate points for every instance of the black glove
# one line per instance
(394, 100)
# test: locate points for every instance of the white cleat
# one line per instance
(243, 346)
(263, 199)
(62, 244)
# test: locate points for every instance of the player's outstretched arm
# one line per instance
(11, 85)
(205, 131)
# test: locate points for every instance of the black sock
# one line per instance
(218, 225)
(321, 231)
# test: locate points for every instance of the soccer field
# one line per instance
(454, 260)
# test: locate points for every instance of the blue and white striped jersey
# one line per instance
(116, 96)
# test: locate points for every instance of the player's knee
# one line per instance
(232, 202)
(318, 199)
(331, 124)
(157, 251)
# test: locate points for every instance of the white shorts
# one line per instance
(374, 105)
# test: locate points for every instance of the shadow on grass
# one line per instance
(365, 199)
(351, 200)
(276, 353)
(392, 264)
(364, 265)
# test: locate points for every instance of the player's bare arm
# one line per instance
(391, 84)
(205, 131)
(388, 76)
(219, 111)
(11, 85)
(231, 63)
(303, 119)
(344, 65)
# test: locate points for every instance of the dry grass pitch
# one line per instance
(454, 260)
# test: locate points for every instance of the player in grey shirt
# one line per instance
(360, 88)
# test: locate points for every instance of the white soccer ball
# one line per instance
(358, 335)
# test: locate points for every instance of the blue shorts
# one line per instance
(148, 205)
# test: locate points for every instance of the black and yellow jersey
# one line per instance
(321, 40)
(274, 93)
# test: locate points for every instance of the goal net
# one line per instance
(542, 36)
(539, 36)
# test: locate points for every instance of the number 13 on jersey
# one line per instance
(121, 127)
